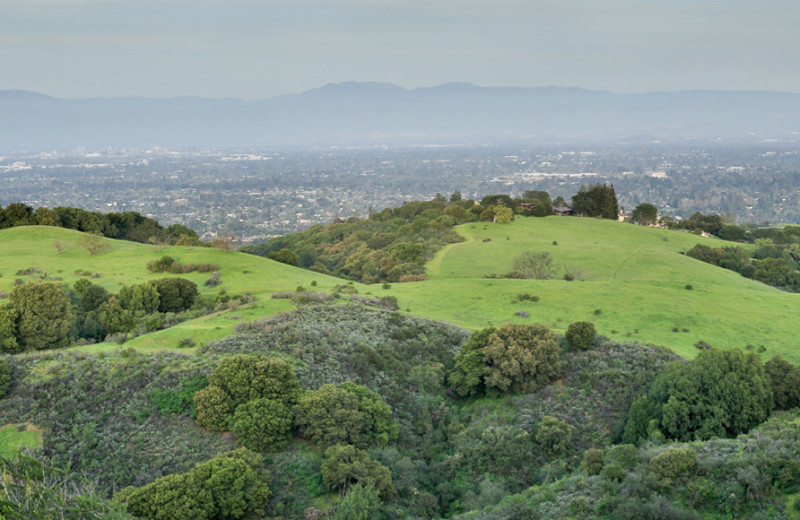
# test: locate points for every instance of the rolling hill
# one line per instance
(631, 281)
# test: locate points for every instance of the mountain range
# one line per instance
(380, 113)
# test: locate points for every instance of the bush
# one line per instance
(5, 377)
(580, 335)
(345, 465)
(673, 463)
(720, 393)
(231, 486)
(625, 455)
(361, 503)
(214, 408)
(554, 436)
(262, 425)
(244, 378)
(162, 265)
(592, 463)
(521, 358)
(347, 414)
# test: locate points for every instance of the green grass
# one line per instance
(635, 276)
(126, 263)
(14, 437)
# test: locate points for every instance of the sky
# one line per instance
(255, 49)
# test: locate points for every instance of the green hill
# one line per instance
(125, 263)
(634, 276)
(631, 281)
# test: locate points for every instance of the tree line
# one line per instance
(393, 245)
(129, 225)
(44, 315)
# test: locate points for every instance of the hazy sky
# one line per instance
(260, 48)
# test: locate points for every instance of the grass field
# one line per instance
(631, 282)
(126, 263)
(634, 276)
(14, 437)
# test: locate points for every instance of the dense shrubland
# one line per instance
(754, 476)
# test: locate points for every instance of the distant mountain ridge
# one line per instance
(381, 113)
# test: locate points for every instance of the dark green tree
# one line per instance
(175, 294)
(8, 331)
(721, 393)
(521, 358)
(645, 214)
(286, 256)
(345, 414)
(5, 377)
(140, 299)
(262, 425)
(598, 200)
(467, 377)
(344, 466)
(44, 315)
(785, 381)
(580, 335)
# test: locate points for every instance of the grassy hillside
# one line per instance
(630, 281)
(634, 276)
(126, 263)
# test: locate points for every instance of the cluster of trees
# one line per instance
(231, 486)
(261, 401)
(44, 315)
(129, 225)
(721, 393)
(598, 200)
(770, 263)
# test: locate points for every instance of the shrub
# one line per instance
(232, 486)
(5, 377)
(345, 465)
(625, 455)
(673, 463)
(162, 265)
(361, 503)
(262, 425)
(244, 378)
(581, 335)
(554, 435)
(187, 342)
(214, 408)
(612, 473)
(720, 393)
(592, 463)
(345, 414)
(521, 358)
(467, 378)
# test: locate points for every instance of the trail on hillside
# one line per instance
(614, 276)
